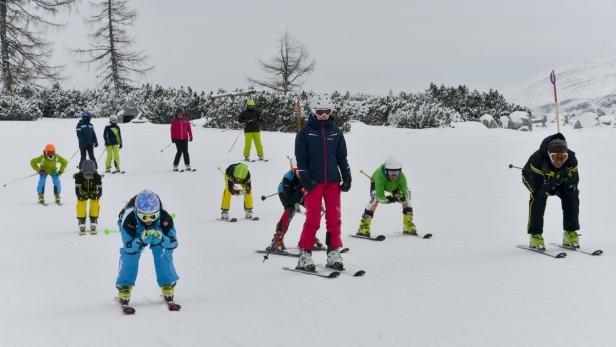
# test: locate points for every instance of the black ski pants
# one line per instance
(90, 151)
(571, 210)
(182, 149)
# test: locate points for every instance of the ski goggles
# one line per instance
(50, 155)
(558, 157)
(393, 172)
(149, 216)
(323, 113)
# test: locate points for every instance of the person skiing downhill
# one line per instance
(144, 222)
(237, 174)
(552, 170)
(181, 134)
(88, 186)
(45, 165)
(388, 178)
(321, 154)
(251, 119)
(291, 194)
(86, 137)
(113, 143)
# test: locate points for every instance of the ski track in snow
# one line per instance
(467, 286)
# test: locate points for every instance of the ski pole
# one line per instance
(511, 166)
(234, 142)
(241, 190)
(263, 197)
(271, 247)
(72, 156)
(21, 178)
(167, 146)
(100, 156)
(365, 174)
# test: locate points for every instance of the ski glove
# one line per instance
(60, 172)
(152, 237)
(390, 199)
(309, 185)
(120, 145)
(133, 246)
(346, 184)
(169, 242)
(190, 139)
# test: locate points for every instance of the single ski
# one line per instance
(424, 236)
(118, 172)
(347, 270)
(230, 220)
(171, 305)
(376, 238)
(325, 274)
(254, 219)
(550, 253)
(578, 249)
(126, 309)
(294, 252)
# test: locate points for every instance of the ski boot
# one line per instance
(58, 200)
(407, 223)
(168, 291)
(318, 246)
(571, 239)
(536, 242)
(249, 214)
(246, 158)
(93, 225)
(175, 168)
(108, 170)
(117, 170)
(334, 260)
(364, 225)
(224, 215)
(261, 158)
(278, 243)
(124, 294)
(41, 199)
(188, 168)
(82, 225)
(305, 262)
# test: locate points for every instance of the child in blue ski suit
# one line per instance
(143, 222)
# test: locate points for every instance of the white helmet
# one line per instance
(392, 163)
(319, 103)
(113, 118)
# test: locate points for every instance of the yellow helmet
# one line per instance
(251, 103)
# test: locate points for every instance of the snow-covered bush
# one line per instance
(585, 120)
(488, 121)
(15, 107)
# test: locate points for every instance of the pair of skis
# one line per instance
(559, 254)
(326, 272)
(382, 237)
(129, 310)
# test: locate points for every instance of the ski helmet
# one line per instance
(147, 205)
(392, 167)
(179, 110)
(88, 168)
(240, 171)
(113, 119)
(320, 107)
(250, 103)
(50, 151)
(86, 114)
(558, 152)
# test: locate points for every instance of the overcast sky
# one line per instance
(360, 46)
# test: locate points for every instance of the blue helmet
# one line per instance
(86, 114)
(147, 205)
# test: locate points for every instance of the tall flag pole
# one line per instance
(553, 80)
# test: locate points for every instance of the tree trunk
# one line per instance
(114, 58)
(7, 79)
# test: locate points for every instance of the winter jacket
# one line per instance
(180, 129)
(88, 188)
(539, 169)
(232, 180)
(86, 134)
(49, 166)
(251, 117)
(321, 153)
(383, 184)
(132, 229)
(112, 135)
(291, 189)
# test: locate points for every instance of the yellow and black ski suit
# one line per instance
(231, 189)
(542, 180)
(88, 189)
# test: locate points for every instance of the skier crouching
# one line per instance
(88, 186)
(388, 178)
(237, 174)
(143, 222)
(291, 194)
(553, 170)
(45, 165)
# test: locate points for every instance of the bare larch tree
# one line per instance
(24, 52)
(110, 45)
(288, 67)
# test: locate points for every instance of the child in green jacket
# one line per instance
(46, 164)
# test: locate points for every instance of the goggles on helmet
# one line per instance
(558, 157)
(50, 155)
(148, 217)
(323, 113)
(393, 172)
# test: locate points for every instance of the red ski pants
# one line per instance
(330, 192)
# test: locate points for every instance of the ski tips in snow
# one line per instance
(550, 253)
(583, 250)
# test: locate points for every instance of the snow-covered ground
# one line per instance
(468, 286)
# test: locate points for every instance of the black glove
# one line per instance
(346, 184)
(554, 182)
(309, 185)
(234, 191)
(95, 145)
(390, 199)
(190, 139)
(120, 145)
(60, 172)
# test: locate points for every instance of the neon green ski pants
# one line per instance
(248, 138)
(113, 152)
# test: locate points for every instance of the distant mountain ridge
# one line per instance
(589, 87)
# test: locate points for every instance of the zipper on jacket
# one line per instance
(324, 153)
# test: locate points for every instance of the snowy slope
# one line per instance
(581, 87)
(468, 286)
